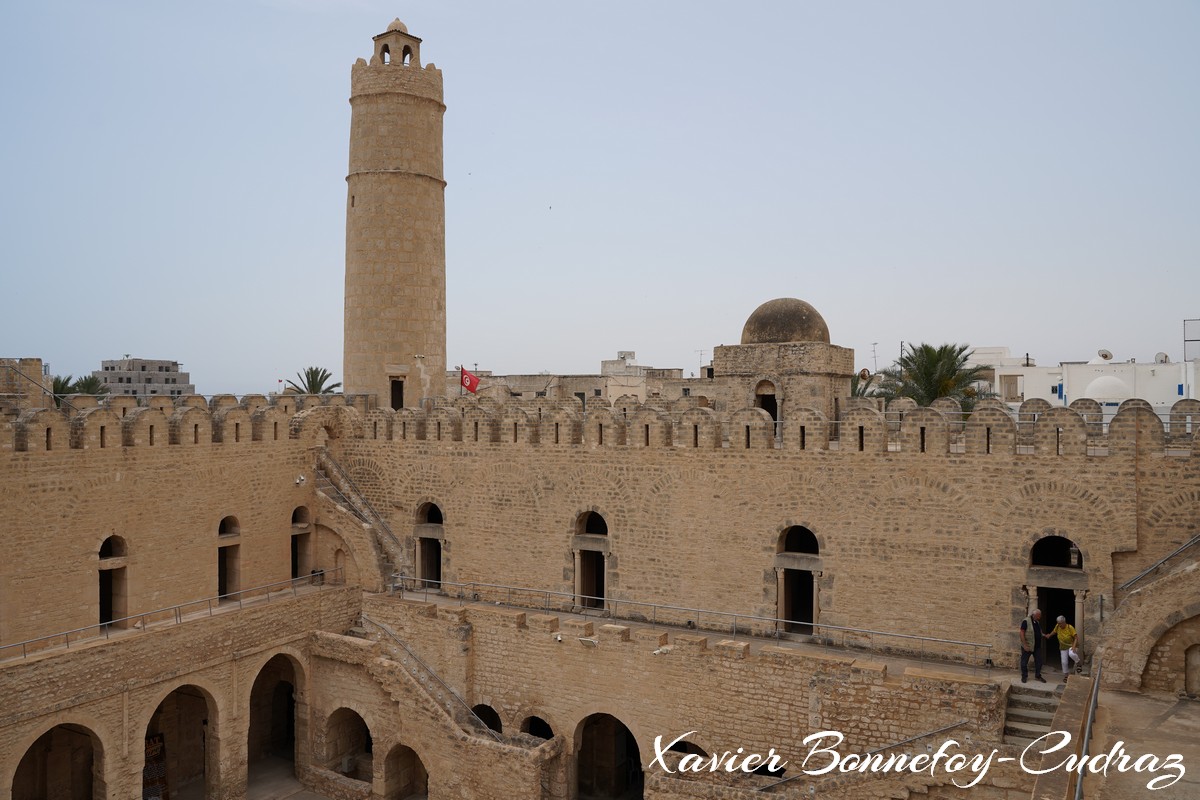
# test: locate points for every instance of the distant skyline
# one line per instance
(621, 176)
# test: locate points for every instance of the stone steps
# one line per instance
(1030, 711)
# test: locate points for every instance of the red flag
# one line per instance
(469, 381)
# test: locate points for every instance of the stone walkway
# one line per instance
(1146, 725)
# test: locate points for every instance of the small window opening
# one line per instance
(862, 438)
(195, 434)
(802, 438)
(514, 432)
(404, 430)
(385, 54)
(151, 435)
(988, 440)
(556, 433)
(477, 430)
(695, 436)
(374, 430)
(49, 438)
(747, 437)
(237, 431)
(647, 436)
(102, 437)
(1058, 446)
(600, 433)
(922, 438)
(439, 430)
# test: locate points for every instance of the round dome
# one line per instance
(397, 25)
(1108, 387)
(785, 320)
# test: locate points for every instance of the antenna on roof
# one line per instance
(1105, 354)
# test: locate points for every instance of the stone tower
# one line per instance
(395, 321)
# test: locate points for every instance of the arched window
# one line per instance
(385, 54)
(592, 523)
(798, 539)
(489, 716)
(429, 514)
(113, 547)
(229, 527)
(300, 515)
(407, 56)
(536, 726)
(1056, 551)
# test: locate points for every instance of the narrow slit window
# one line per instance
(237, 431)
(862, 438)
(102, 437)
(695, 436)
(747, 437)
(600, 433)
(802, 437)
(988, 440)
(647, 436)
(151, 435)
(195, 434)
(922, 438)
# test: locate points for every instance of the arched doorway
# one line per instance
(591, 545)
(66, 762)
(181, 746)
(113, 584)
(797, 564)
(1058, 585)
(429, 534)
(302, 555)
(271, 741)
(348, 745)
(764, 398)
(405, 777)
(608, 764)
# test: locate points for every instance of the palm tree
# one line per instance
(860, 386)
(925, 373)
(89, 384)
(62, 387)
(313, 380)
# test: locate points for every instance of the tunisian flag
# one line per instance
(469, 381)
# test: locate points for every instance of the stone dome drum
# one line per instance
(785, 319)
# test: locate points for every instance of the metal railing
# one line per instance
(694, 618)
(429, 670)
(1087, 728)
(1194, 540)
(869, 753)
(176, 615)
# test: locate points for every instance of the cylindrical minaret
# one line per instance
(395, 323)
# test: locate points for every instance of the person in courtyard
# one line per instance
(1031, 645)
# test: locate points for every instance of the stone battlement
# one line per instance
(95, 423)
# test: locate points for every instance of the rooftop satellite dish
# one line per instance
(1161, 358)
(864, 373)
(1105, 354)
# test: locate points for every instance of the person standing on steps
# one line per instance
(1066, 643)
(1031, 645)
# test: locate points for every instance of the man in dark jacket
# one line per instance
(1031, 645)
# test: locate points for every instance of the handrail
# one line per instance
(431, 672)
(60, 400)
(398, 581)
(1195, 539)
(960, 723)
(317, 578)
(376, 519)
(1087, 729)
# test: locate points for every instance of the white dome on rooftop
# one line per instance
(1108, 388)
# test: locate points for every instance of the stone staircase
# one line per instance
(1030, 711)
(403, 666)
(335, 483)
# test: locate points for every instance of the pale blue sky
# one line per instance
(621, 176)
